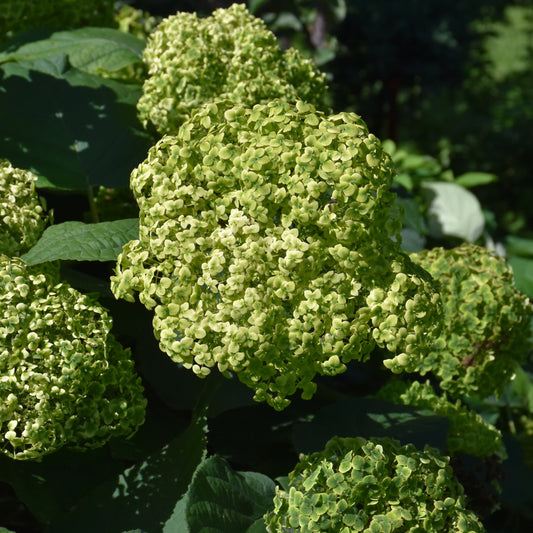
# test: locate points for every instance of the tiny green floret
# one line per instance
(64, 379)
(269, 247)
(22, 214)
(228, 55)
(372, 486)
(487, 321)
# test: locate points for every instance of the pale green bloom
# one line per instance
(355, 485)
(486, 318)
(269, 247)
(228, 55)
(64, 379)
(22, 214)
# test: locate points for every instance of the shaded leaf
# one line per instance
(77, 241)
(225, 501)
(453, 211)
(76, 131)
(366, 417)
(89, 49)
(144, 495)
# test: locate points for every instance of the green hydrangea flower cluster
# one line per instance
(22, 214)
(469, 433)
(136, 21)
(228, 55)
(269, 247)
(64, 379)
(22, 15)
(355, 485)
(486, 319)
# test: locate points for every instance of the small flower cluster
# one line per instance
(486, 319)
(22, 215)
(228, 55)
(64, 379)
(269, 247)
(355, 485)
(469, 433)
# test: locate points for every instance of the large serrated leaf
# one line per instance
(77, 241)
(453, 211)
(221, 500)
(144, 496)
(89, 49)
(75, 131)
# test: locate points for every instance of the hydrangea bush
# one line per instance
(487, 321)
(228, 55)
(22, 214)
(269, 247)
(268, 250)
(64, 379)
(369, 486)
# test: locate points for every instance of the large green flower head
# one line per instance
(486, 319)
(23, 15)
(229, 55)
(64, 379)
(269, 247)
(22, 217)
(373, 486)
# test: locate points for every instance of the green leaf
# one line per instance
(519, 246)
(178, 521)
(91, 50)
(473, 179)
(77, 131)
(453, 211)
(258, 526)
(523, 273)
(370, 417)
(221, 500)
(77, 241)
(144, 496)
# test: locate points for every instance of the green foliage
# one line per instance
(468, 432)
(23, 15)
(273, 252)
(229, 55)
(65, 380)
(83, 242)
(487, 321)
(370, 487)
(22, 214)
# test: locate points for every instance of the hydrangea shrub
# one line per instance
(486, 318)
(64, 379)
(228, 55)
(469, 433)
(22, 214)
(370, 486)
(269, 247)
